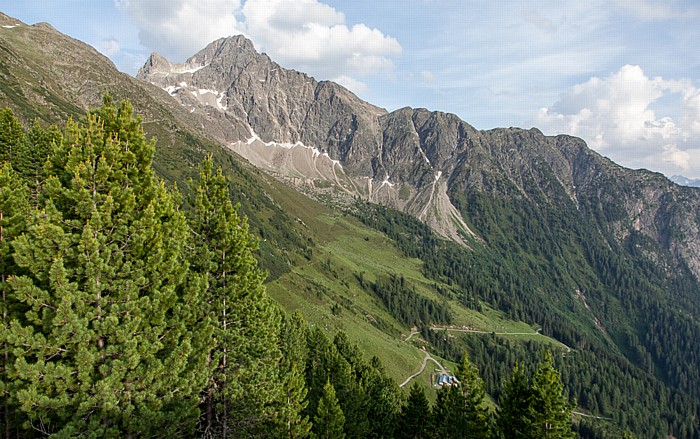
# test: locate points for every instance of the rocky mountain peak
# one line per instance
(155, 64)
(226, 51)
(315, 134)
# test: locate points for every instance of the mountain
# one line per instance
(48, 76)
(604, 258)
(317, 133)
(683, 181)
(550, 245)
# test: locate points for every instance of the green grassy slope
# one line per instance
(331, 288)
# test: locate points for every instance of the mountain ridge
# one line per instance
(416, 157)
(557, 244)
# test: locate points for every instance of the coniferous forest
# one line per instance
(131, 310)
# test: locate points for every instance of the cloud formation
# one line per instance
(108, 47)
(617, 115)
(314, 36)
(304, 34)
(179, 28)
(652, 10)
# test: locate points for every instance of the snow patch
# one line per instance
(253, 137)
(189, 68)
(171, 89)
(438, 175)
(11, 26)
(203, 91)
(335, 162)
(221, 97)
(386, 182)
(315, 152)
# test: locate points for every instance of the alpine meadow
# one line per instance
(227, 248)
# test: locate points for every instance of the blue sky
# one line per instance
(622, 74)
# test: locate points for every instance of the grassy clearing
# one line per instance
(330, 289)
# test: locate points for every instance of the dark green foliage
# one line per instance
(407, 306)
(119, 315)
(384, 401)
(535, 408)
(245, 323)
(12, 137)
(416, 420)
(514, 417)
(369, 399)
(329, 420)
(14, 208)
(292, 421)
(542, 264)
(551, 410)
(40, 145)
(459, 410)
(102, 335)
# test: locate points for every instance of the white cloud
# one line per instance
(646, 9)
(315, 37)
(617, 115)
(427, 76)
(653, 10)
(108, 47)
(303, 34)
(179, 28)
(355, 86)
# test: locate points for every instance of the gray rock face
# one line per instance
(303, 130)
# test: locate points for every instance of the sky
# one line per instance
(624, 75)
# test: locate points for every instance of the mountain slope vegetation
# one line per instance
(602, 260)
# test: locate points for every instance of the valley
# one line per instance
(417, 236)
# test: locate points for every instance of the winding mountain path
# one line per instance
(476, 331)
(427, 358)
(585, 415)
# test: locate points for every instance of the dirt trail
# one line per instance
(476, 331)
(427, 358)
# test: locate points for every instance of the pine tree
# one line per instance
(12, 136)
(293, 423)
(515, 414)
(349, 373)
(14, 208)
(459, 410)
(415, 421)
(246, 327)
(329, 420)
(39, 146)
(105, 340)
(552, 417)
(383, 400)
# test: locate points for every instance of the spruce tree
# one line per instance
(14, 208)
(293, 422)
(349, 373)
(383, 400)
(12, 136)
(104, 343)
(552, 411)
(329, 420)
(245, 322)
(39, 146)
(415, 421)
(459, 410)
(514, 418)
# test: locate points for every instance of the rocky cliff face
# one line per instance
(310, 132)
